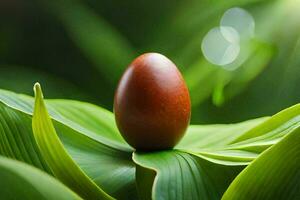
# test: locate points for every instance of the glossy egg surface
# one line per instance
(152, 103)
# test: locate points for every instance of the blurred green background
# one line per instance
(78, 49)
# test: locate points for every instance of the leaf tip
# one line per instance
(38, 90)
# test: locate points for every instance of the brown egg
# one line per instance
(152, 103)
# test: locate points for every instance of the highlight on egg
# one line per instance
(152, 103)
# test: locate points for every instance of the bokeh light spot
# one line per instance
(220, 45)
(241, 20)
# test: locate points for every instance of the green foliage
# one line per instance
(22, 181)
(180, 175)
(91, 139)
(274, 175)
(79, 144)
(57, 158)
(79, 49)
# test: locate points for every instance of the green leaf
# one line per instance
(53, 151)
(16, 138)
(180, 175)
(211, 142)
(92, 121)
(87, 132)
(211, 154)
(273, 175)
(22, 181)
(144, 182)
(280, 123)
(198, 167)
(90, 148)
(217, 135)
(240, 143)
(111, 169)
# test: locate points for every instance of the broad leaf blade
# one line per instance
(16, 138)
(215, 136)
(95, 122)
(273, 175)
(111, 169)
(212, 142)
(61, 164)
(99, 125)
(180, 175)
(239, 144)
(21, 181)
(213, 155)
(87, 132)
(281, 122)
